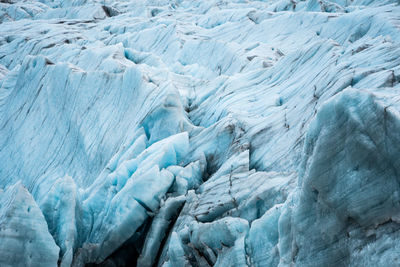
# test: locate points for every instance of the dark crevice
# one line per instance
(110, 12)
(49, 46)
(199, 255)
(167, 235)
(128, 253)
(143, 204)
(230, 190)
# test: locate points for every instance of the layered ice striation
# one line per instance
(199, 133)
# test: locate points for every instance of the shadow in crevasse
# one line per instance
(129, 252)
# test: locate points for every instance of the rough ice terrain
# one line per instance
(199, 133)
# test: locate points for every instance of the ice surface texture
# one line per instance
(200, 133)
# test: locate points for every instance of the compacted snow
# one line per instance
(200, 133)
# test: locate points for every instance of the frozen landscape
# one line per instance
(199, 133)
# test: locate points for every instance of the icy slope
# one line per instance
(200, 133)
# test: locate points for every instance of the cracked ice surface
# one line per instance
(200, 133)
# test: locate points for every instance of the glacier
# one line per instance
(199, 133)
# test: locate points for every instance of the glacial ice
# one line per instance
(25, 238)
(199, 133)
